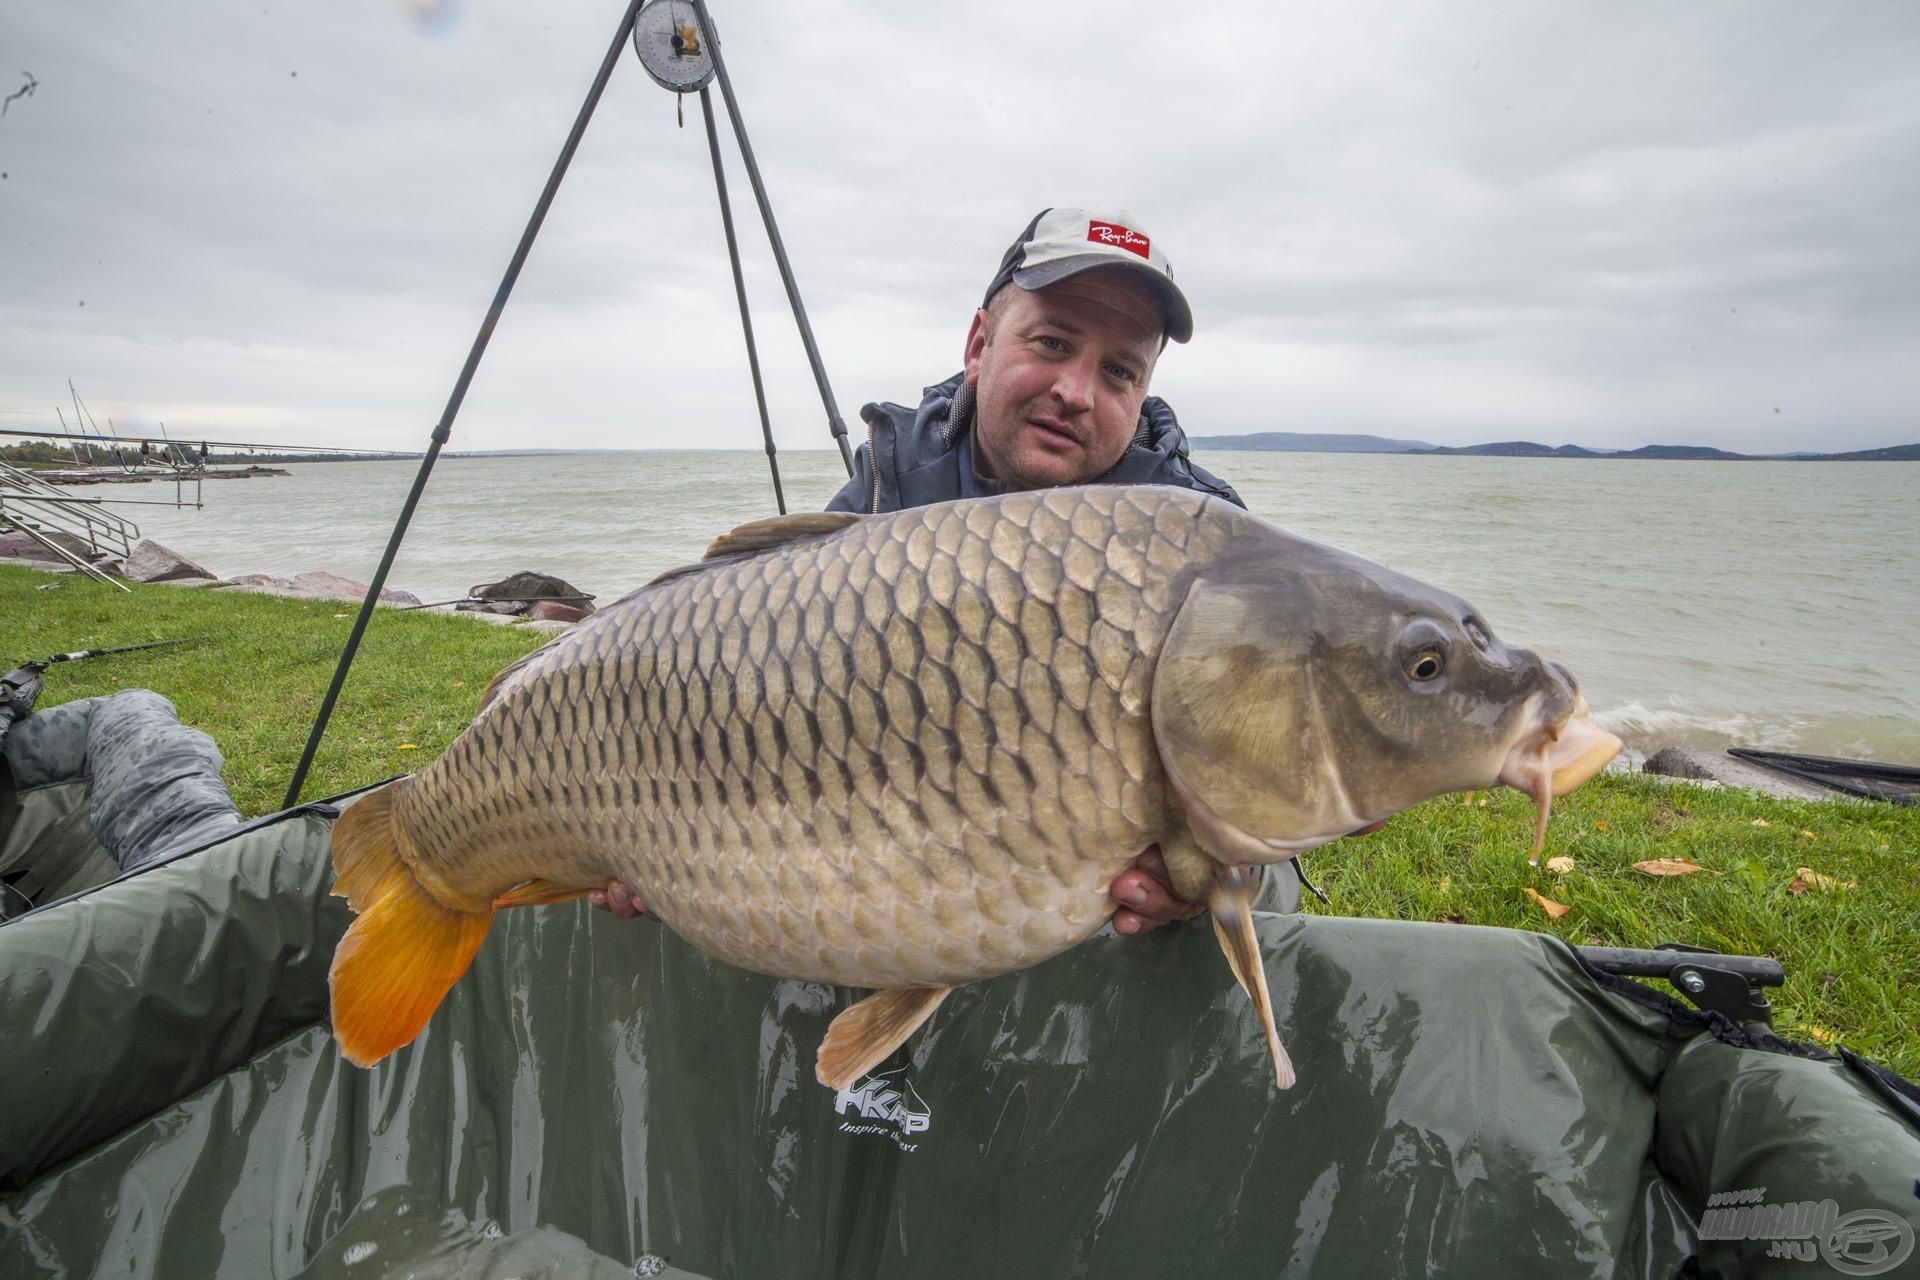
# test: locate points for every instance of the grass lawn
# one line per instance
(1848, 934)
(256, 682)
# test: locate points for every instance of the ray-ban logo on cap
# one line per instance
(1120, 237)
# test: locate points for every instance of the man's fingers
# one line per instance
(620, 900)
(1146, 903)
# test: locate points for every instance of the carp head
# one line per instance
(1304, 694)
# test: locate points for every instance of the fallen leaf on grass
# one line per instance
(1798, 886)
(1811, 876)
(1823, 1035)
(1548, 905)
(1560, 865)
(459, 684)
(1668, 867)
(409, 746)
(1809, 835)
(1760, 822)
(1603, 826)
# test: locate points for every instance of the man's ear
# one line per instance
(977, 344)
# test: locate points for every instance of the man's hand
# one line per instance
(1145, 894)
(620, 900)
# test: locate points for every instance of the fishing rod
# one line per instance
(441, 604)
(43, 663)
(20, 687)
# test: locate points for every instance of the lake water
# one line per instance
(1772, 605)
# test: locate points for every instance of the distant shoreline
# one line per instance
(1260, 442)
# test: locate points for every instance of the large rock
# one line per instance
(554, 611)
(19, 546)
(316, 586)
(331, 586)
(1698, 765)
(151, 562)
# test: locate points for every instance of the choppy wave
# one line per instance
(1647, 727)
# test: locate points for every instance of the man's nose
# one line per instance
(1073, 383)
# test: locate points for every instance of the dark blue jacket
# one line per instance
(922, 458)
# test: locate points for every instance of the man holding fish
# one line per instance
(1054, 393)
(924, 739)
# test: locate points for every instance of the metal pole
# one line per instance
(740, 292)
(444, 430)
(834, 423)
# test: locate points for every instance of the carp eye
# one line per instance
(1424, 648)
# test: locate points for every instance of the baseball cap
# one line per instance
(1059, 243)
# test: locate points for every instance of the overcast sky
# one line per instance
(1609, 224)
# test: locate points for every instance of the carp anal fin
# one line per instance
(762, 535)
(404, 950)
(861, 1037)
(1231, 903)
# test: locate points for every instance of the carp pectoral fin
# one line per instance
(538, 893)
(863, 1035)
(404, 950)
(1231, 902)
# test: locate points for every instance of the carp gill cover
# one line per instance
(909, 751)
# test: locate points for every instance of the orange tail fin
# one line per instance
(404, 950)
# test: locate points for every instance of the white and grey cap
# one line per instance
(1060, 243)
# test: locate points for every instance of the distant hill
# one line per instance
(1310, 442)
(1894, 453)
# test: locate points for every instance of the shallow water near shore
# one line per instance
(1762, 604)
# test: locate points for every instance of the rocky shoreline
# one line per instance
(151, 563)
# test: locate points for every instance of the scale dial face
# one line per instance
(672, 45)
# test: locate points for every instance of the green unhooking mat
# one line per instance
(597, 1099)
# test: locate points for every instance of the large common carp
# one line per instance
(910, 751)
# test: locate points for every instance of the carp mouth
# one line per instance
(1555, 759)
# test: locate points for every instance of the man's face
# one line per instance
(1060, 376)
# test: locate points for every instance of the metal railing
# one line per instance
(40, 510)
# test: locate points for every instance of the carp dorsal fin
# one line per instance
(1231, 903)
(861, 1037)
(777, 531)
(763, 535)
